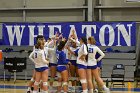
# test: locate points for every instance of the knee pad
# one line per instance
(83, 81)
(52, 79)
(64, 83)
(45, 83)
(32, 80)
(36, 83)
(59, 84)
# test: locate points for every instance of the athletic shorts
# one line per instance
(73, 62)
(52, 64)
(61, 68)
(67, 60)
(92, 67)
(81, 66)
(41, 69)
(99, 64)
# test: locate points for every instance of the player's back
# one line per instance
(39, 57)
(52, 55)
(82, 51)
(92, 50)
(61, 57)
(72, 56)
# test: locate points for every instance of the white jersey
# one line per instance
(49, 44)
(72, 56)
(92, 50)
(52, 55)
(51, 51)
(82, 51)
(46, 44)
(38, 56)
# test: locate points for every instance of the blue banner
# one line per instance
(105, 33)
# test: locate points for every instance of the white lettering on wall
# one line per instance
(15, 31)
(102, 35)
(31, 35)
(126, 35)
(88, 29)
(51, 29)
(71, 31)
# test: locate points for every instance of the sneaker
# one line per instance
(95, 91)
(71, 89)
(107, 90)
(101, 91)
(78, 89)
(28, 91)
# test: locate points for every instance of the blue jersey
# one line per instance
(61, 58)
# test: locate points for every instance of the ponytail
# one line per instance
(92, 40)
(84, 39)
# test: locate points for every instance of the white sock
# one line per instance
(35, 91)
(85, 91)
(28, 89)
(104, 87)
(96, 90)
(90, 90)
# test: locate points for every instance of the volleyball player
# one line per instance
(52, 59)
(73, 65)
(38, 56)
(92, 70)
(62, 66)
(31, 82)
(82, 62)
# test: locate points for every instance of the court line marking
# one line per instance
(25, 87)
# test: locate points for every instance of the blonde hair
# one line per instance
(92, 40)
(40, 44)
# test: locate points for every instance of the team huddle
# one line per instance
(66, 59)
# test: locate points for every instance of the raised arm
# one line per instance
(72, 52)
(76, 41)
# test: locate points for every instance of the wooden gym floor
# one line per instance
(21, 87)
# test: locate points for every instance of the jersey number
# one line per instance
(90, 50)
(35, 55)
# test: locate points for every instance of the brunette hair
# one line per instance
(92, 40)
(40, 44)
(61, 45)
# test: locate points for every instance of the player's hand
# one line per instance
(69, 63)
(67, 47)
(82, 58)
(47, 62)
